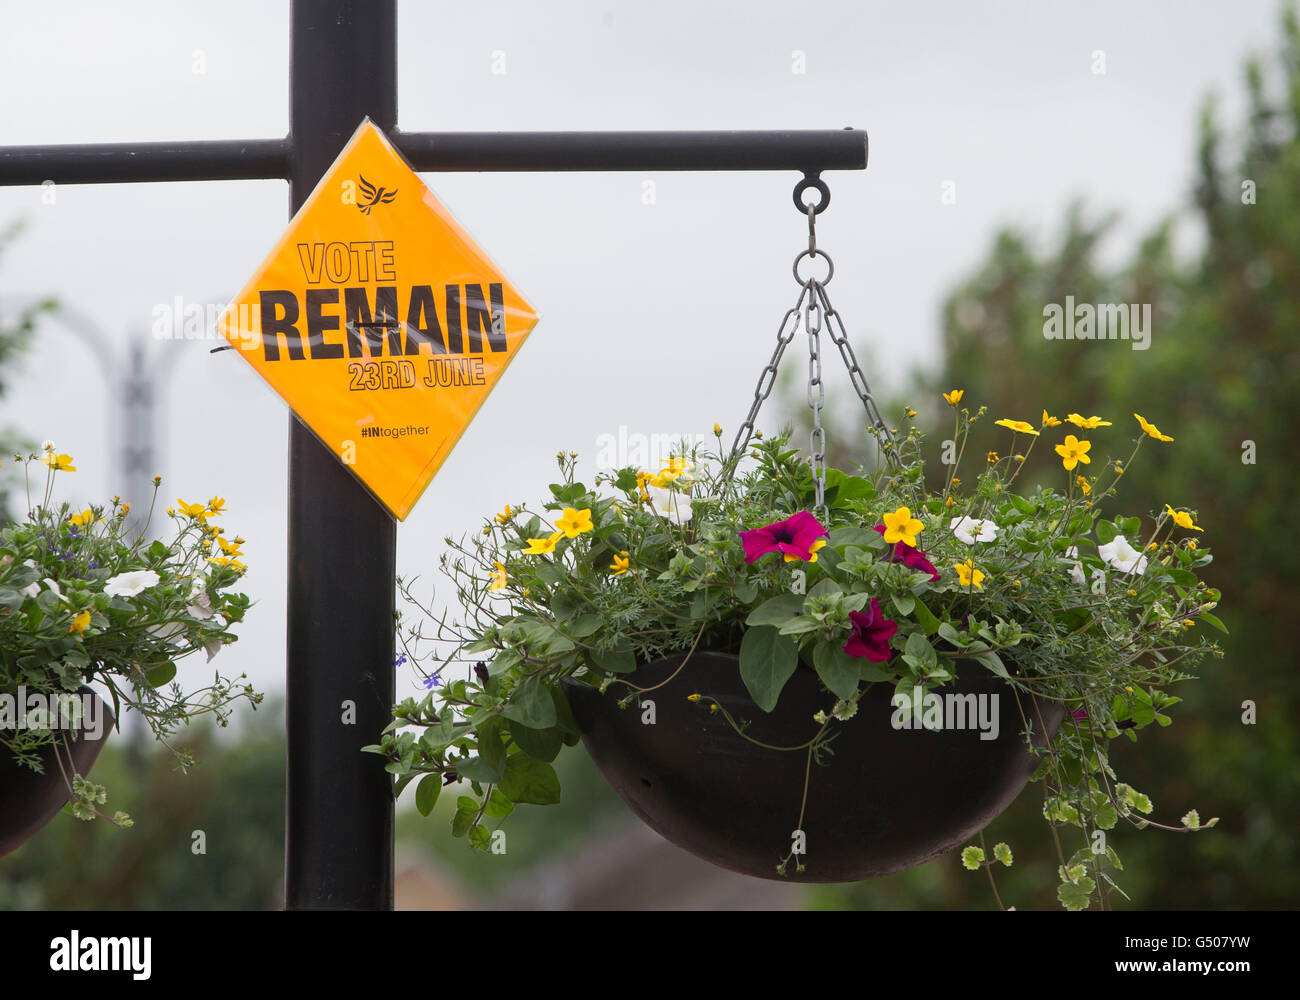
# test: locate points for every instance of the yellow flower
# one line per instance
(217, 505)
(968, 575)
(86, 517)
(717, 430)
(956, 481)
(229, 548)
(197, 511)
(900, 526)
(1151, 429)
(950, 502)
(910, 412)
(694, 697)
(674, 468)
(812, 558)
(575, 522)
(1083, 485)
(954, 397)
(126, 508)
(499, 578)
(1019, 426)
(621, 563)
(80, 623)
(1182, 519)
(1191, 542)
(505, 515)
(1073, 451)
(227, 561)
(993, 457)
(59, 463)
(171, 511)
(1088, 423)
(542, 546)
(1050, 421)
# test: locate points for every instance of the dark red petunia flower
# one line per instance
(796, 537)
(871, 634)
(910, 556)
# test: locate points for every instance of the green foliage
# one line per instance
(84, 601)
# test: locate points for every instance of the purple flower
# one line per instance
(796, 537)
(400, 660)
(910, 556)
(432, 682)
(871, 634)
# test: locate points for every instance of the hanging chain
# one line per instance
(814, 311)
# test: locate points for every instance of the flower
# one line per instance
(1073, 451)
(1151, 429)
(1050, 421)
(910, 412)
(670, 504)
(1120, 554)
(993, 457)
(621, 563)
(1182, 519)
(201, 608)
(47, 445)
(217, 505)
(80, 623)
(229, 548)
(901, 526)
(228, 562)
(83, 519)
(505, 515)
(971, 529)
(575, 522)
(910, 556)
(674, 468)
(1088, 423)
(542, 546)
(717, 430)
(1083, 485)
(499, 578)
(797, 537)
(968, 575)
(58, 463)
(954, 397)
(871, 634)
(197, 511)
(130, 584)
(1019, 426)
(431, 682)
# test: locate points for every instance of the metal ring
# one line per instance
(812, 181)
(830, 266)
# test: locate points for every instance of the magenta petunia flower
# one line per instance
(910, 556)
(871, 634)
(796, 537)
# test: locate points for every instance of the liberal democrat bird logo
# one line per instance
(375, 196)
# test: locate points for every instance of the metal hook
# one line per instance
(812, 179)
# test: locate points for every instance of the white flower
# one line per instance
(213, 648)
(167, 631)
(130, 584)
(49, 582)
(47, 446)
(201, 608)
(1099, 581)
(1120, 554)
(670, 504)
(1076, 571)
(31, 590)
(971, 530)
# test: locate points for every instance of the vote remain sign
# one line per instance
(380, 322)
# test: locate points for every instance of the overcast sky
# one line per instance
(657, 316)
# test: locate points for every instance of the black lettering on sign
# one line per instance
(318, 323)
(275, 324)
(453, 320)
(422, 305)
(356, 306)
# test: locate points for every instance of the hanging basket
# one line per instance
(29, 800)
(887, 800)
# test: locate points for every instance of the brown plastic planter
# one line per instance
(29, 800)
(887, 800)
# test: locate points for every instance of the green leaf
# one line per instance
(1002, 852)
(1076, 895)
(972, 858)
(491, 748)
(498, 805)
(797, 626)
(923, 616)
(767, 660)
(1191, 820)
(426, 793)
(1105, 532)
(994, 662)
(528, 779)
(1205, 616)
(919, 653)
(585, 625)
(776, 610)
(904, 603)
(477, 769)
(1106, 817)
(614, 661)
(466, 810)
(160, 675)
(837, 670)
(544, 744)
(531, 705)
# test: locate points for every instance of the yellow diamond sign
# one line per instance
(379, 320)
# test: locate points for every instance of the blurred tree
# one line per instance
(1222, 375)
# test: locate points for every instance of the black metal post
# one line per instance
(342, 543)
